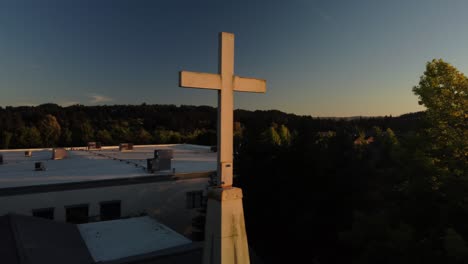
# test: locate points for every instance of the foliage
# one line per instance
(443, 90)
(104, 137)
(363, 191)
(6, 139)
(284, 134)
(66, 138)
(112, 125)
(85, 131)
(270, 136)
(143, 137)
(29, 137)
(277, 135)
(50, 130)
(163, 136)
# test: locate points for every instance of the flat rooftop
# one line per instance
(116, 239)
(82, 165)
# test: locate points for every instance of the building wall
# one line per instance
(165, 200)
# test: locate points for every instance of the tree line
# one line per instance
(50, 125)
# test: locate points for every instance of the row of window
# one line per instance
(79, 214)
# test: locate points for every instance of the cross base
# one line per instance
(225, 235)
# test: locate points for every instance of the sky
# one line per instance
(320, 58)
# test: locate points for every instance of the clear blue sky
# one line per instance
(320, 58)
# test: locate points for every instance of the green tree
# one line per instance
(83, 133)
(120, 132)
(284, 135)
(66, 138)
(161, 136)
(175, 137)
(443, 90)
(104, 136)
(143, 137)
(270, 136)
(50, 130)
(6, 139)
(29, 137)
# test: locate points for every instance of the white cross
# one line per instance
(226, 83)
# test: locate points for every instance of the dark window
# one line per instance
(47, 213)
(110, 210)
(77, 214)
(194, 199)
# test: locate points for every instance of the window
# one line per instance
(110, 210)
(77, 214)
(194, 199)
(47, 213)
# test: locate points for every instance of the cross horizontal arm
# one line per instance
(200, 80)
(252, 85)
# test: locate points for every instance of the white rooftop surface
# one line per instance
(108, 163)
(110, 240)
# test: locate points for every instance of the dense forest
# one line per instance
(316, 190)
(384, 190)
(50, 125)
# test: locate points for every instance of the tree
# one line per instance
(104, 136)
(175, 137)
(143, 137)
(161, 136)
(443, 90)
(50, 130)
(29, 137)
(82, 131)
(86, 132)
(271, 137)
(66, 138)
(6, 139)
(284, 135)
(120, 132)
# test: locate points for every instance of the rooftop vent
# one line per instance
(94, 145)
(162, 159)
(125, 146)
(39, 166)
(163, 154)
(59, 153)
(28, 153)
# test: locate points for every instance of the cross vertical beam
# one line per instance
(226, 109)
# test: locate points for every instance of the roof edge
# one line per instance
(59, 187)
